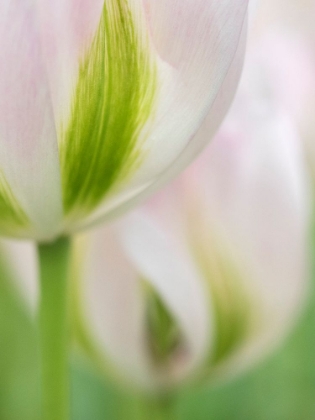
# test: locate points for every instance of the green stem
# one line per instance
(53, 329)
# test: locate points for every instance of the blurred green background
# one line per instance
(282, 388)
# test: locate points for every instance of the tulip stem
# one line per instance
(53, 329)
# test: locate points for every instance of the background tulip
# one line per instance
(100, 99)
(210, 274)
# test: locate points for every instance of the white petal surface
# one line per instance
(253, 188)
(199, 49)
(118, 262)
(29, 155)
(67, 28)
(198, 41)
(113, 305)
(173, 275)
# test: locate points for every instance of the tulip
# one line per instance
(208, 276)
(100, 101)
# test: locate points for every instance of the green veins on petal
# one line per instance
(232, 304)
(12, 216)
(113, 101)
(232, 311)
(163, 332)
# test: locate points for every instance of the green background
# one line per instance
(282, 388)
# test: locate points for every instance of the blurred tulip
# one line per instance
(100, 100)
(209, 275)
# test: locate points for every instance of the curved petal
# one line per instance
(29, 156)
(112, 304)
(66, 30)
(116, 301)
(176, 279)
(198, 40)
(123, 201)
(95, 72)
(244, 206)
(151, 94)
(252, 188)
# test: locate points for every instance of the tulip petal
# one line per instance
(247, 210)
(125, 138)
(202, 46)
(172, 274)
(124, 283)
(234, 305)
(29, 154)
(254, 199)
(112, 303)
(197, 42)
(13, 219)
(67, 28)
(138, 191)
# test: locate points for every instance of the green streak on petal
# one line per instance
(113, 101)
(232, 303)
(163, 333)
(12, 216)
(232, 310)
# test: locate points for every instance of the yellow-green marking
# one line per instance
(163, 333)
(113, 101)
(12, 216)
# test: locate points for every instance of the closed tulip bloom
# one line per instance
(209, 275)
(99, 102)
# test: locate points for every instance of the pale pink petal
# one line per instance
(248, 192)
(198, 41)
(171, 271)
(118, 261)
(252, 187)
(112, 304)
(67, 28)
(29, 155)
(291, 75)
(198, 50)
